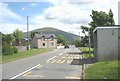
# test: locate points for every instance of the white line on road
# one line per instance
(65, 51)
(25, 72)
(51, 58)
(72, 77)
(60, 53)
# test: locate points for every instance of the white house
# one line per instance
(44, 41)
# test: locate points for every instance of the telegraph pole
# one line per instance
(27, 34)
(89, 41)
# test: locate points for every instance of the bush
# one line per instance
(7, 49)
(15, 50)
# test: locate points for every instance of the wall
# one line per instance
(47, 43)
(40, 43)
(21, 48)
(95, 44)
(54, 43)
(34, 42)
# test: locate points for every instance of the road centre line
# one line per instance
(24, 72)
(60, 54)
(39, 66)
(51, 58)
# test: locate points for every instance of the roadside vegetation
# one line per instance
(102, 70)
(85, 51)
(20, 55)
(11, 53)
(7, 39)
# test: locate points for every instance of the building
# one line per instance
(106, 43)
(44, 41)
(22, 45)
(22, 42)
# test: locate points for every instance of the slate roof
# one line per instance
(47, 36)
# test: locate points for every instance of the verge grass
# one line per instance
(102, 70)
(25, 54)
(85, 51)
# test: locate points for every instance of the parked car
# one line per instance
(66, 46)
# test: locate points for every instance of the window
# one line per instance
(51, 38)
(43, 38)
(43, 44)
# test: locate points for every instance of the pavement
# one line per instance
(58, 64)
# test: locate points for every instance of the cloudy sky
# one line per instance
(67, 15)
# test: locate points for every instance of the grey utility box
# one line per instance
(106, 43)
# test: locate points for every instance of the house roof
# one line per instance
(105, 27)
(47, 36)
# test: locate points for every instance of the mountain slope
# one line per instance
(48, 30)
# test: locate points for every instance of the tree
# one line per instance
(7, 48)
(100, 19)
(84, 29)
(18, 35)
(111, 20)
(8, 38)
(77, 43)
(84, 40)
(61, 39)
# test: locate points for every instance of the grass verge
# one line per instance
(25, 54)
(85, 51)
(102, 70)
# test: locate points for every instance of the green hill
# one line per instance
(48, 30)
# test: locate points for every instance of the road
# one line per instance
(58, 64)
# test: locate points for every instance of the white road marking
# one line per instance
(58, 61)
(65, 51)
(54, 61)
(69, 61)
(27, 73)
(63, 61)
(51, 58)
(39, 66)
(60, 54)
(72, 77)
(24, 72)
(35, 76)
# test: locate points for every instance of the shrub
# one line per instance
(15, 50)
(7, 49)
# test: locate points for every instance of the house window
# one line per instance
(43, 44)
(51, 38)
(52, 44)
(43, 38)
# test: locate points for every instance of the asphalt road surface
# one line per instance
(58, 64)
